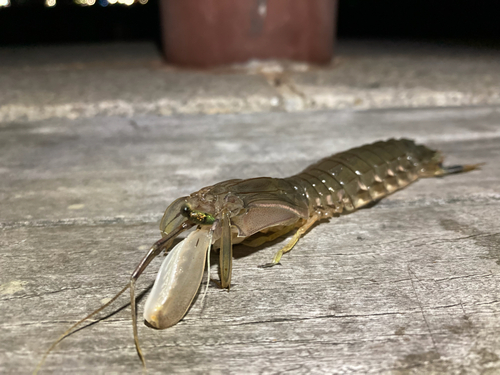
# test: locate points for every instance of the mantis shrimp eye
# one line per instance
(186, 211)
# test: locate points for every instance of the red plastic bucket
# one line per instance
(205, 33)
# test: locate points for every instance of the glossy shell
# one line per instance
(177, 281)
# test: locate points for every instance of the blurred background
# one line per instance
(83, 58)
(72, 21)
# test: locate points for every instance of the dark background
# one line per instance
(30, 22)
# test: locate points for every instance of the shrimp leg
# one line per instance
(226, 252)
(285, 249)
(271, 237)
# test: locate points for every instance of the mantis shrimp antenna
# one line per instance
(70, 329)
(156, 249)
(134, 324)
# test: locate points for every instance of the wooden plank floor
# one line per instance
(409, 286)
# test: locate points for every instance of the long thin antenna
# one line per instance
(134, 324)
(68, 331)
(155, 250)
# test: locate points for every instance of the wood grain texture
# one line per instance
(409, 286)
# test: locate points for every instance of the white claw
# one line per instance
(178, 280)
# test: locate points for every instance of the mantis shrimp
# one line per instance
(262, 209)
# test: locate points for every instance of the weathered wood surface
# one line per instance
(408, 286)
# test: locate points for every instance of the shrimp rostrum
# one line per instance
(262, 209)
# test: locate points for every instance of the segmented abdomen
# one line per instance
(357, 177)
